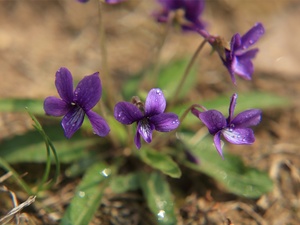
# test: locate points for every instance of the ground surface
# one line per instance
(38, 37)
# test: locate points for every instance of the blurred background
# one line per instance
(38, 37)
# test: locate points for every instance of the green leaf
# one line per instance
(160, 161)
(230, 172)
(124, 183)
(261, 100)
(131, 86)
(18, 105)
(87, 197)
(30, 147)
(159, 197)
(78, 167)
(170, 76)
(117, 130)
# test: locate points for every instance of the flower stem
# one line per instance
(186, 72)
(106, 76)
(21, 182)
(49, 146)
(151, 76)
(57, 164)
(189, 109)
(162, 139)
(47, 170)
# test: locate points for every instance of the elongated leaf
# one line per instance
(131, 87)
(117, 130)
(19, 105)
(30, 147)
(230, 172)
(160, 161)
(79, 166)
(159, 197)
(261, 100)
(124, 183)
(88, 196)
(170, 76)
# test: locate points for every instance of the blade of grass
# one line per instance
(160, 161)
(231, 172)
(18, 178)
(49, 145)
(159, 197)
(88, 195)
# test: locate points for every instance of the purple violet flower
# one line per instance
(189, 20)
(83, 1)
(113, 1)
(234, 129)
(237, 59)
(148, 117)
(74, 105)
(106, 1)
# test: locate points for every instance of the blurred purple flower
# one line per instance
(113, 1)
(234, 129)
(237, 59)
(83, 1)
(74, 105)
(106, 1)
(148, 118)
(189, 20)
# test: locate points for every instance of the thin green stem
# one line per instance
(106, 76)
(107, 80)
(186, 72)
(57, 164)
(189, 109)
(162, 139)
(49, 146)
(21, 182)
(47, 170)
(155, 65)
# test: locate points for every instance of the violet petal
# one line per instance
(88, 91)
(64, 84)
(247, 118)
(100, 126)
(252, 36)
(165, 122)
(171, 4)
(213, 120)
(72, 121)
(243, 67)
(232, 107)
(155, 102)
(193, 10)
(127, 113)
(56, 107)
(217, 143)
(235, 43)
(113, 1)
(137, 140)
(196, 112)
(239, 136)
(248, 54)
(145, 129)
(228, 64)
